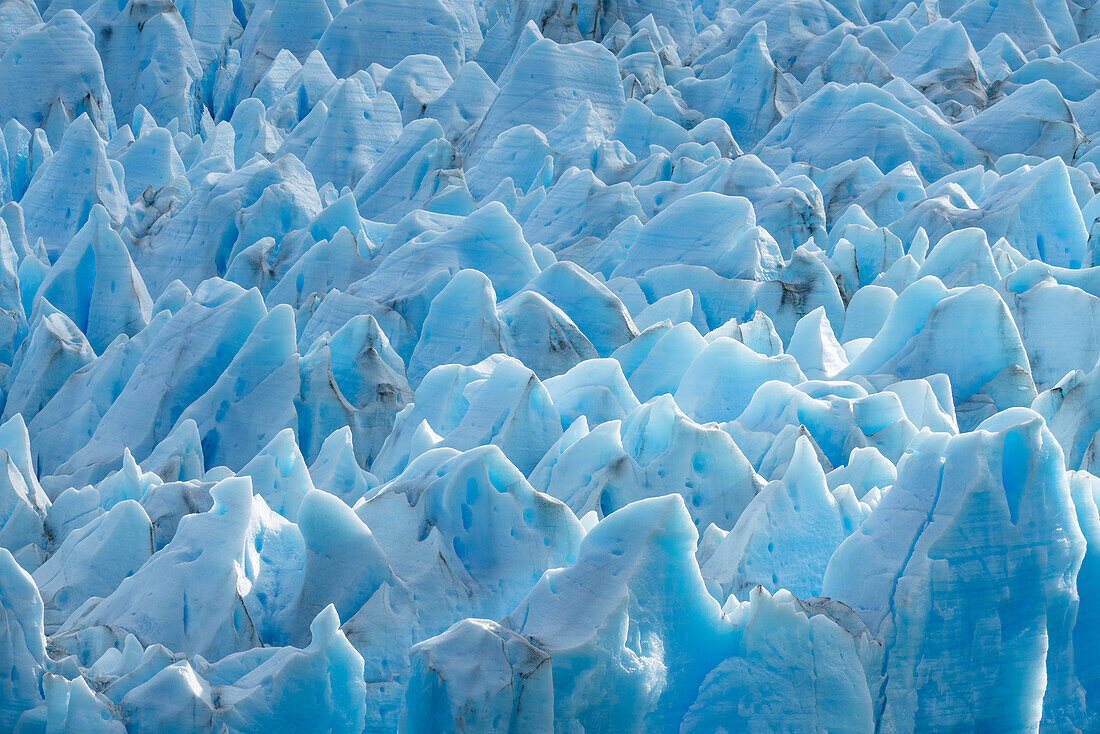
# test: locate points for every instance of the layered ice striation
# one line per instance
(549, 366)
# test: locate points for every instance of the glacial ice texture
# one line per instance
(540, 366)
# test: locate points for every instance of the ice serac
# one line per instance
(461, 326)
(541, 335)
(596, 311)
(280, 475)
(316, 688)
(93, 560)
(1083, 489)
(70, 706)
(420, 170)
(200, 240)
(799, 666)
(479, 677)
(22, 641)
(178, 367)
(345, 134)
(924, 335)
(68, 420)
(55, 349)
(352, 378)
(16, 16)
(489, 240)
(622, 577)
(996, 499)
(1034, 119)
(465, 531)
(751, 96)
(596, 389)
(544, 84)
(736, 251)
(94, 283)
(343, 564)
(822, 131)
(23, 504)
(179, 456)
(336, 470)
(275, 29)
(815, 347)
(151, 161)
(64, 190)
(53, 75)
(708, 390)
(940, 62)
(656, 361)
(469, 531)
(385, 32)
(784, 538)
(654, 450)
(254, 398)
(148, 59)
(189, 596)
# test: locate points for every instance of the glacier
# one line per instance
(549, 366)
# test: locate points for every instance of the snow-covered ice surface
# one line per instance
(569, 366)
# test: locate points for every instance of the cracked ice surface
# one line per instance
(549, 366)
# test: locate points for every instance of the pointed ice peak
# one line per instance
(851, 63)
(16, 16)
(280, 475)
(93, 559)
(962, 258)
(204, 567)
(815, 346)
(941, 45)
(629, 556)
(583, 125)
(805, 477)
(415, 82)
(528, 94)
(253, 134)
(12, 215)
(465, 101)
(148, 58)
(337, 471)
(362, 35)
(128, 482)
(489, 240)
(359, 334)
(78, 176)
(178, 458)
(15, 442)
(340, 213)
(344, 563)
(95, 283)
(1058, 135)
(461, 327)
(657, 415)
(709, 390)
(56, 349)
(343, 136)
(173, 298)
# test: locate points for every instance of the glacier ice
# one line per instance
(549, 365)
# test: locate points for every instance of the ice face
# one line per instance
(549, 365)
